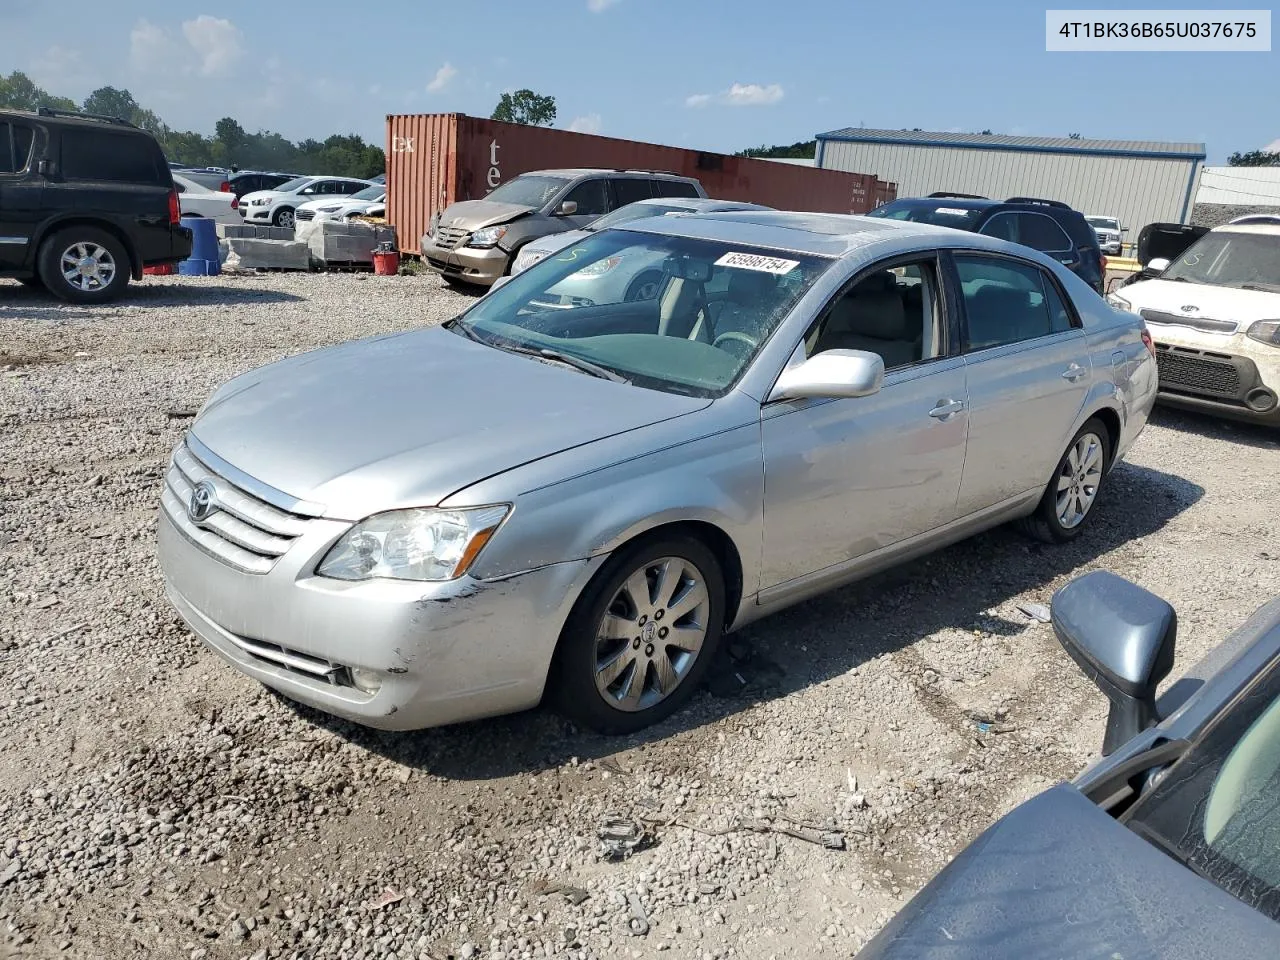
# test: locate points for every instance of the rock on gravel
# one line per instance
(155, 803)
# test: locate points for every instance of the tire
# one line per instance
(1072, 493)
(611, 642)
(84, 265)
(284, 218)
(32, 283)
(637, 290)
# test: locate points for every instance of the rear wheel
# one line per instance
(642, 636)
(1070, 496)
(84, 265)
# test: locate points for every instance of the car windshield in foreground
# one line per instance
(1103, 223)
(1231, 259)
(369, 193)
(670, 313)
(636, 211)
(528, 191)
(297, 183)
(937, 212)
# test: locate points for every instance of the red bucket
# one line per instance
(160, 270)
(386, 264)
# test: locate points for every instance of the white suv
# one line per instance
(276, 207)
(1110, 233)
(1214, 315)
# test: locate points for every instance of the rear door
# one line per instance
(593, 200)
(1028, 369)
(21, 193)
(627, 190)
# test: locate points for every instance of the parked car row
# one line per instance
(278, 205)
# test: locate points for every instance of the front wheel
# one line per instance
(642, 636)
(284, 218)
(647, 286)
(1070, 496)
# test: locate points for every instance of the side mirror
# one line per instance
(567, 209)
(45, 168)
(1123, 638)
(1124, 229)
(1158, 265)
(832, 373)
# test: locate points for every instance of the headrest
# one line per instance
(746, 286)
(877, 315)
(881, 282)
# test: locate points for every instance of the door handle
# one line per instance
(1074, 372)
(946, 408)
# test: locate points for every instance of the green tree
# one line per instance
(18, 92)
(803, 150)
(527, 107)
(1255, 158)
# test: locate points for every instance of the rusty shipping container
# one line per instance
(436, 159)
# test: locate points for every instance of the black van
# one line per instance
(85, 203)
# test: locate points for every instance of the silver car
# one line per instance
(450, 523)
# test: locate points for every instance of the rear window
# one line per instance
(941, 213)
(674, 188)
(15, 147)
(105, 155)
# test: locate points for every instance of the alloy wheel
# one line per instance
(87, 266)
(1078, 480)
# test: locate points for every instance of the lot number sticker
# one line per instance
(754, 261)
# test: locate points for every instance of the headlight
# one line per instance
(488, 237)
(417, 544)
(599, 268)
(527, 259)
(1120, 303)
(1265, 331)
(260, 202)
(326, 210)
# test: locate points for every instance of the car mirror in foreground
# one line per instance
(1158, 265)
(832, 373)
(567, 209)
(1123, 638)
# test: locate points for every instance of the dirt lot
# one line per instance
(155, 803)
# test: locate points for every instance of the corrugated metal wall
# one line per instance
(437, 159)
(1138, 190)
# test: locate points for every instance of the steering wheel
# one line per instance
(740, 337)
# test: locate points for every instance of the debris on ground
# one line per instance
(637, 922)
(389, 896)
(1036, 611)
(548, 888)
(620, 837)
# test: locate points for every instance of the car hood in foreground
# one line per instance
(1059, 879)
(475, 214)
(408, 419)
(558, 241)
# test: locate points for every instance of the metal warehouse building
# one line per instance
(1138, 181)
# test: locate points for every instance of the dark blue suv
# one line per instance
(1049, 226)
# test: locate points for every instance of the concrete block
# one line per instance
(249, 253)
(253, 231)
(341, 241)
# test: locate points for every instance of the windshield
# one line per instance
(369, 193)
(297, 183)
(1228, 258)
(1103, 223)
(528, 191)
(635, 211)
(937, 212)
(671, 313)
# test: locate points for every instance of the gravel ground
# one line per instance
(155, 803)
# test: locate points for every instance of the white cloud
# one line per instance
(588, 123)
(443, 78)
(1273, 146)
(64, 70)
(739, 95)
(150, 47)
(599, 6)
(217, 43)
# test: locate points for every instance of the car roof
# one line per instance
(821, 234)
(1269, 229)
(699, 204)
(601, 171)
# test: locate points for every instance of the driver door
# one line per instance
(845, 478)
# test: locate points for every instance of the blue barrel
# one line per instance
(204, 249)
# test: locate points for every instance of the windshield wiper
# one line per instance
(457, 325)
(586, 366)
(1254, 286)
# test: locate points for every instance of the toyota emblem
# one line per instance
(203, 502)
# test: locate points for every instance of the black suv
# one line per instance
(85, 203)
(1049, 226)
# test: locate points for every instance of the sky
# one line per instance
(710, 74)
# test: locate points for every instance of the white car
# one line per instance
(1110, 233)
(196, 200)
(1214, 315)
(340, 208)
(276, 207)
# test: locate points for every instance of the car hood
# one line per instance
(558, 241)
(407, 419)
(475, 214)
(265, 195)
(1059, 879)
(1213, 302)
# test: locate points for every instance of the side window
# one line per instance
(1003, 226)
(1004, 302)
(592, 198)
(15, 147)
(1060, 318)
(895, 313)
(352, 186)
(630, 189)
(100, 155)
(1042, 233)
(674, 188)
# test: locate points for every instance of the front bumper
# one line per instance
(444, 652)
(1217, 380)
(470, 264)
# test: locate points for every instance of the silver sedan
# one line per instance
(578, 503)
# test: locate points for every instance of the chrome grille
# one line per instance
(304, 214)
(244, 532)
(1195, 372)
(1195, 323)
(451, 237)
